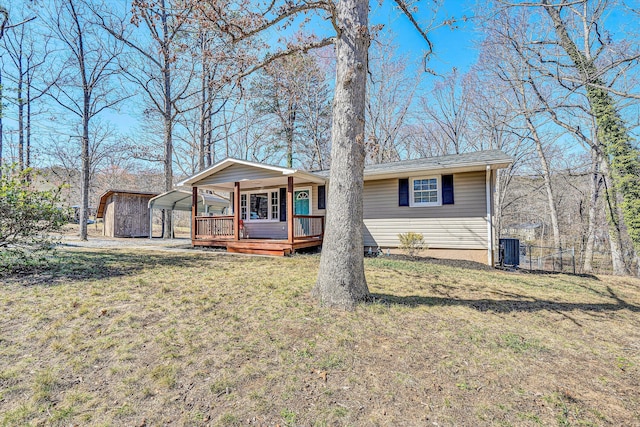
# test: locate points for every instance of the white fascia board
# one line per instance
(228, 162)
(436, 169)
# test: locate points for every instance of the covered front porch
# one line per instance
(272, 209)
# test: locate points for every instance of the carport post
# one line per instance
(150, 222)
(290, 209)
(194, 212)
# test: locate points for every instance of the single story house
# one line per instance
(277, 210)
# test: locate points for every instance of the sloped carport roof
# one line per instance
(180, 200)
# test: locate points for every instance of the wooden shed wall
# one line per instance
(109, 218)
(129, 215)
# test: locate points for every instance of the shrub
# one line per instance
(412, 243)
(27, 216)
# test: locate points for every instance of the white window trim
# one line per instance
(438, 191)
(268, 191)
(309, 189)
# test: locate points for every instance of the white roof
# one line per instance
(180, 200)
(223, 164)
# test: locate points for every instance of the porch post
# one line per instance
(290, 209)
(236, 211)
(194, 212)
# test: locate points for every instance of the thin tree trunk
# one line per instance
(615, 222)
(203, 109)
(341, 280)
(587, 266)
(27, 159)
(168, 121)
(546, 175)
(20, 120)
(291, 119)
(86, 115)
(211, 149)
(1, 114)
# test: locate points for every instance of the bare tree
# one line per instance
(292, 96)
(390, 97)
(446, 107)
(84, 89)
(27, 57)
(574, 50)
(153, 67)
(515, 72)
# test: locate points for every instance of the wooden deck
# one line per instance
(259, 246)
(305, 231)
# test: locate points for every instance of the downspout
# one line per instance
(489, 218)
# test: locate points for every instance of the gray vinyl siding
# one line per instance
(237, 173)
(277, 229)
(458, 226)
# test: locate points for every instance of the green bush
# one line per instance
(27, 216)
(412, 243)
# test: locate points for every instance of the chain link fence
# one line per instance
(547, 258)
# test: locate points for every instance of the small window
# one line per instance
(243, 206)
(425, 191)
(275, 205)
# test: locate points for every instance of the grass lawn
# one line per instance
(202, 338)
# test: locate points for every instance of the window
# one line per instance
(425, 191)
(260, 206)
(243, 206)
(275, 206)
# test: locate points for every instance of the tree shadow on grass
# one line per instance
(70, 266)
(511, 305)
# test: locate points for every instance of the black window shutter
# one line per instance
(447, 189)
(322, 204)
(403, 192)
(233, 206)
(283, 204)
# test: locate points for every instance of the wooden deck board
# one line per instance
(259, 246)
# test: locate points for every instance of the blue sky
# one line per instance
(452, 47)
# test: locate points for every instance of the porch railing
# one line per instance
(214, 227)
(308, 226)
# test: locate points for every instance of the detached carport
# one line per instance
(180, 200)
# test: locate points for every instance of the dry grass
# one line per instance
(152, 338)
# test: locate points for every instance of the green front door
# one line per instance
(301, 202)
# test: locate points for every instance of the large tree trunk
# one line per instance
(341, 280)
(587, 266)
